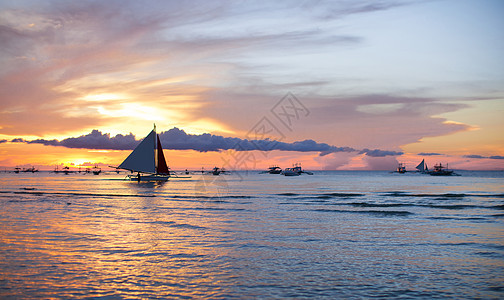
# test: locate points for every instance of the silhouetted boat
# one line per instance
(216, 171)
(66, 170)
(296, 170)
(147, 160)
(96, 170)
(422, 167)
(273, 170)
(440, 170)
(401, 168)
(291, 172)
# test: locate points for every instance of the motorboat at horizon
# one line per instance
(296, 170)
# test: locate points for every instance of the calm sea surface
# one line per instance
(248, 235)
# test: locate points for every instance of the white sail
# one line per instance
(421, 166)
(142, 159)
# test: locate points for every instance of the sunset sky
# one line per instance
(337, 84)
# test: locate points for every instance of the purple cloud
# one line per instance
(177, 139)
(496, 157)
(380, 153)
(93, 140)
(481, 156)
(428, 153)
(18, 140)
(473, 156)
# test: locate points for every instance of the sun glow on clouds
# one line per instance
(104, 97)
(207, 126)
(133, 111)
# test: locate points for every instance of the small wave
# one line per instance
(187, 255)
(459, 218)
(219, 208)
(441, 196)
(446, 195)
(80, 194)
(488, 254)
(365, 204)
(396, 193)
(455, 206)
(496, 288)
(210, 197)
(186, 226)
(321, 196)
(230, 197)
(374, 212)
(342, 194)
(178, 225)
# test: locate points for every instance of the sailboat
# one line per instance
(422, 167)
(147, 160)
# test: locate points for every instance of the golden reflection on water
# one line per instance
(117, 243)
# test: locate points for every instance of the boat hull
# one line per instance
(148, 177)
(441, 173)
(290, 173)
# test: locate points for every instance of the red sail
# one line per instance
(162, 168)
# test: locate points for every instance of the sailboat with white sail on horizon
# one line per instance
(422, 167)
(147, 160)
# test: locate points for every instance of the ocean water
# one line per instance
(252, 236)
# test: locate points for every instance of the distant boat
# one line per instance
(147, 160)
(401, 168)
(216, 171)
(422, 167)
(96, 170)
(32, 169)
(66, 170)
(274, 170)
(440, 170)
(296, 170)
(291, 172)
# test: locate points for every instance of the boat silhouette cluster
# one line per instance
(438, 170)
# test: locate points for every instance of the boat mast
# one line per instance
(155, 150)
